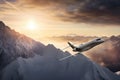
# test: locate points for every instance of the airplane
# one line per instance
(83, 47)
(86, 46)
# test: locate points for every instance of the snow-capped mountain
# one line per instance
(22, 58)
(14, 45)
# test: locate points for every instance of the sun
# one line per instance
(31, 25)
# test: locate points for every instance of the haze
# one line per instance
(40, 19)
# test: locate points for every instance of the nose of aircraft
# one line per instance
(102, 40)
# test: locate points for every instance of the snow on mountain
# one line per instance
(118, 72)
(50, 68)
(14, 44)
(22, 58)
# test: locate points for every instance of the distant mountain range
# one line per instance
(22, 58)
(108, 53)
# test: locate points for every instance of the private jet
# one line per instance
(86, 46)
(83, 47)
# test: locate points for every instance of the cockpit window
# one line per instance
(98, 39)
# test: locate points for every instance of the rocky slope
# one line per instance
(22, 58)
(14, 45)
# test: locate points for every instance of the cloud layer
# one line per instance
(106, 54)
(86, 11)
(80, 11)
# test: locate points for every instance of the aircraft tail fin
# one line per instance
(71, 45)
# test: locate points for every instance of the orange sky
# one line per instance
(46, 24)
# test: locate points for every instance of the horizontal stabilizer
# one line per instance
(71, 45)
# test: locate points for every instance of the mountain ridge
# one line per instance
(14, 44)
(22, 58)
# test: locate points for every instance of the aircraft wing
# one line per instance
(64, 58)
(65, 47)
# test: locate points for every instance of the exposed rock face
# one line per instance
(22, 58)
(14, 45)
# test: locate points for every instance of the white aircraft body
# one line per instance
(84, 47)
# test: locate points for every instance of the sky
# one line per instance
(58, 21)
(46, 18)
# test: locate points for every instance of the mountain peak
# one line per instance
(2, 25)
(14, 45)
(24, 58)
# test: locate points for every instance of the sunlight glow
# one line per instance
(31, 25)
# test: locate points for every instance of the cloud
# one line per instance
(3, 1)
(73, 38)
(79, 11)
(107, 54)
(83, 11)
